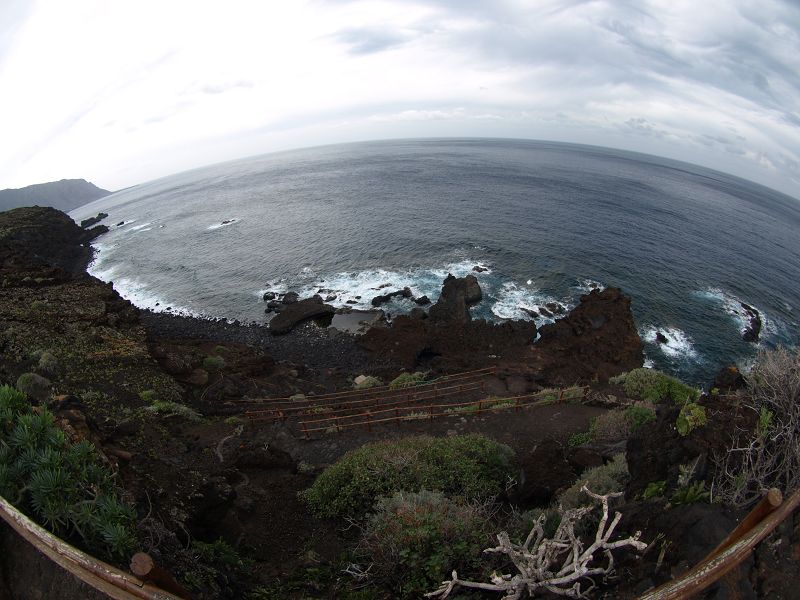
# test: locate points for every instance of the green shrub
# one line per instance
(148, 396)
(654, 386)
(167, 408)
(610, 477)
(579, 439)
(654, 489)
(415, 540)
(610, 426)
(48, 363)
(34, 386)
(468, 465)
(691, 493)
(690, 418)
(61, 485)
(405, 380)
(38, 305)
(638, 416)
(214, 566)
(213, 363)
(368, 382)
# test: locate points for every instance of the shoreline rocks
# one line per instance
(753, 330)
(298, 311)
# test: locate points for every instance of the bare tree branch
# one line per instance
(558, 564)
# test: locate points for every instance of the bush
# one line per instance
(654, 386)
(610, 477)
(610, 426)
(654, 489)
(34, 386)
(213, 363)
(61, 485)
(48, 363)
(405, 380)
(638, 416)
(472, 466)
(690, 418)
(579, 439)
(367, 382)
(768, 455)
(414, 540)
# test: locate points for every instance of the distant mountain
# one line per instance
(65, 195)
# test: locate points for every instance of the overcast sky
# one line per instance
(124, 92)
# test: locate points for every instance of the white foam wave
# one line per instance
(138, 227)
(513, 301)
(678, 345)
(588, 285)
(224, 223)
(649, 363)
(357, 288)
(733, 307)
(141, 296)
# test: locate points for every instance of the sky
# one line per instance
(124, 92)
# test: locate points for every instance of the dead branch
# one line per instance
(558, 564)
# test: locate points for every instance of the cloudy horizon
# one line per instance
(122, 93)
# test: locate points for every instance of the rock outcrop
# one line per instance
(596, 340)
(297, 312)
(754, 324)
(457, 296)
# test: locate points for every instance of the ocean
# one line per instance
(548, 222)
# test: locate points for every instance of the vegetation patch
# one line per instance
(690, 418)
(61, 485)
(654, 386)
(471, 466)
(415, 540)
(405, 380)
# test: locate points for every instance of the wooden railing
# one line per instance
(413, 412)
(370, 393)
(732, 551)
(101, 576)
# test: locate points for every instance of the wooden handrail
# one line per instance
(354, 404)
(722, 561)
(487, 405)
(379, 389)
(101, 576)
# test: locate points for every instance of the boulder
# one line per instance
(661, 338)
(86, 223)
(479, 269)
(384, 298)
(598, 339)
(453, 303)
(297, 312)
(422, 301)
(269, 296)
(290, 298)
(729, 379)
(754, 324)
(472, 293)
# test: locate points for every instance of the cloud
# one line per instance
(128, 92)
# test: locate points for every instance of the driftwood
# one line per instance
(557, 565)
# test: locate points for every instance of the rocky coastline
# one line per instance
(162, 397)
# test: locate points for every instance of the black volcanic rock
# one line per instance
(297, 312)
(66, 195)
(86, 223)
(661, 338)
(457, 295)
(44, 236)
(729, 379)
(598, 339)
(753, 329)
(384, 298)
